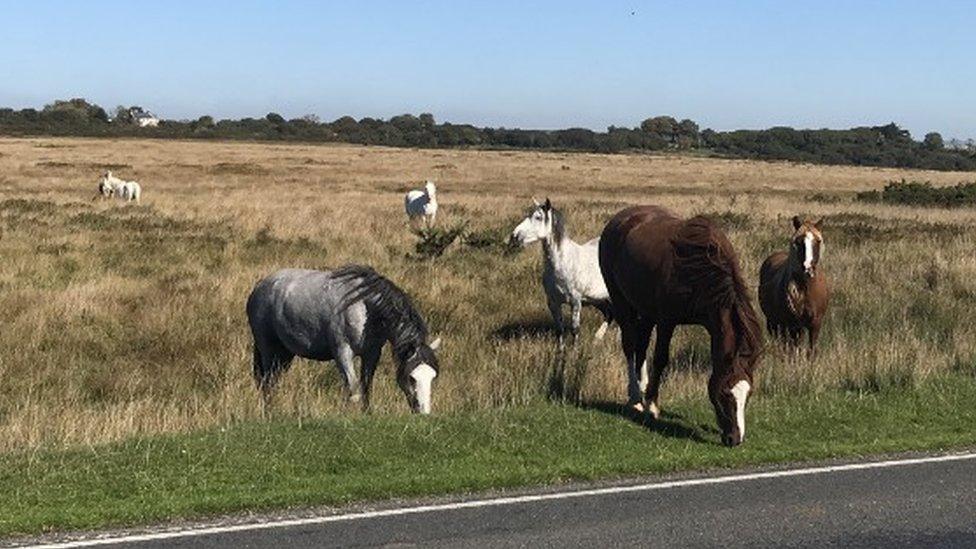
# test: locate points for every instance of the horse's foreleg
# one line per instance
(556, 310)
(814, 334)
(370, 360)
(662, 353)
(634, 338)
(576, 307)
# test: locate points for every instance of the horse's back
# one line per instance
(773, 264)
(297, 309)
(635, 253)
(414, 202)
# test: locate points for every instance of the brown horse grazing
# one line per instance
(662, 271)
(793, 290)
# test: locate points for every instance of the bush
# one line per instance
(923, 194)
(434, 241)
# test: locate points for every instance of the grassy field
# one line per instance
(124, 335)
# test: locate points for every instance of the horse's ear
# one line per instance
(797, 222)
(819, 223)
(536, 202)
(548, 203)
(434, 345)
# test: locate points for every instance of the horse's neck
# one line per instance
(403, 339)
(794, 271)
(556, 252)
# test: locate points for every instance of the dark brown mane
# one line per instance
(705, 261)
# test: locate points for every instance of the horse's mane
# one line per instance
(558, 225)
(384, 298)
(706, 262)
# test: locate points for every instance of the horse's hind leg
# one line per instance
(605, 308)
(268, 366)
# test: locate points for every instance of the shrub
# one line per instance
(434, 241)
(916, 193)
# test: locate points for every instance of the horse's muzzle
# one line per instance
(731, 441)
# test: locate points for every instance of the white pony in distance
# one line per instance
(127, 191)
(572, 271)
(422, 205)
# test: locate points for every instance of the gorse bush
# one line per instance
(914, 193)
(434, 241)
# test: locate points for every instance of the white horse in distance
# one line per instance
(422, 205)
(572, 271)
(111, 186)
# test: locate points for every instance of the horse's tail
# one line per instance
(707, 263)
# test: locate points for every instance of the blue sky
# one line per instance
(746, 64)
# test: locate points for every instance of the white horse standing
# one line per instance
(572, 271)
(128, 191)
(422, 205)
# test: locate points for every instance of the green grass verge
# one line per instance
(341, 460)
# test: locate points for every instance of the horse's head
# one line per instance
(543, 222)
(430, 188)
(738, 351)
(806, 244)
(104, 187)
(729, 395)
(416, 376)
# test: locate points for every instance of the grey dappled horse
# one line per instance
(571, 274)
(338, 315)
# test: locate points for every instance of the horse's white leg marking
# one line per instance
(602, 330)
(642, 382)
(346, 364)
(808, 245)
(741, 391)
(423, 375)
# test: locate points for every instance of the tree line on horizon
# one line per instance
(884, 146)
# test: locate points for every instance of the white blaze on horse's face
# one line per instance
(808, 259)
(740, 392)
(423, 377)
(534, 227)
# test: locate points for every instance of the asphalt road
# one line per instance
(919, 504)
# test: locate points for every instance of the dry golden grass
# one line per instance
(122, 320)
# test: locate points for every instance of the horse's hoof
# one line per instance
(654, 411)
(355, 398)
(637, 407)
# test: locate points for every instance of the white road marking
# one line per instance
(494, 502)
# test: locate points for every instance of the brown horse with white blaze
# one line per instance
(793, 291)
(663, 271)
